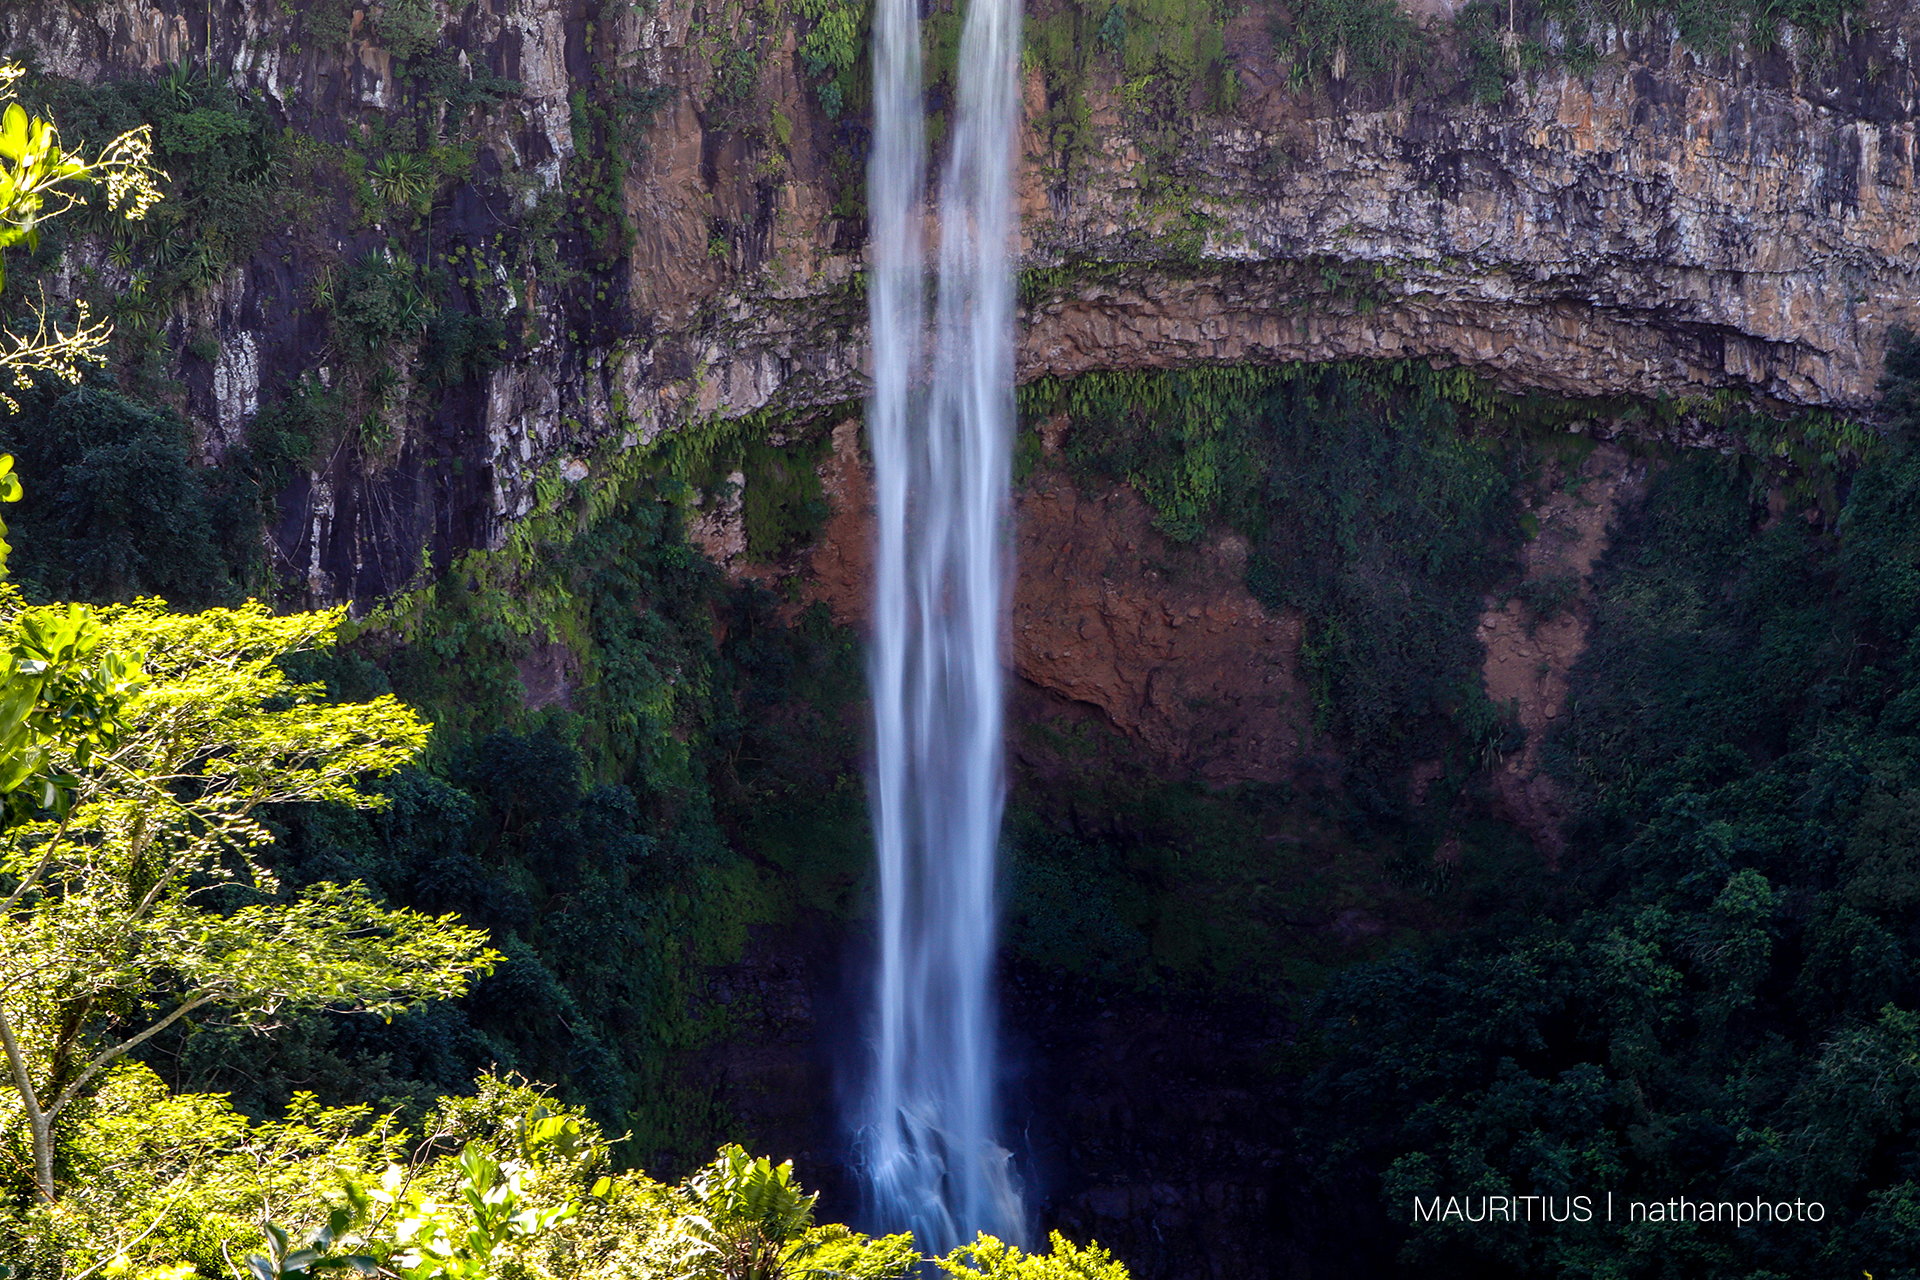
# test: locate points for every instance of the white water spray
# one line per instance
(941, 448)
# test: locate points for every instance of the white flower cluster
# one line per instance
(39, 171)
(49, 350)
(126, 166)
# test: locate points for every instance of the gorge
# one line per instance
(1461, 729)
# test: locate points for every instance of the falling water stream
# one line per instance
(941, 425)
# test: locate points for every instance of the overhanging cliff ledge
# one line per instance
(670, 219)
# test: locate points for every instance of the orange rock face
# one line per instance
(1529, 656)
(1161, 640)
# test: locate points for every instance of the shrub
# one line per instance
(407, 28)
(990, 1259)
(377, 304)
(1348, 39)
(834, 51)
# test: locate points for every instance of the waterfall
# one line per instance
(941, 438)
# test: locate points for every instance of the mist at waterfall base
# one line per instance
(940, 423)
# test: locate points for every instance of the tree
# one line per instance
(38, 181)
(155, 1179)
(137, 748)
(135, 893)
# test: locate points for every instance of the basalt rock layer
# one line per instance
(1666, 223)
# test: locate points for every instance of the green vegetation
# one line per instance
(505, 1182)
(40, 180)
(1725, 1008)
(375, 304)
(395, 343)
(1371, 505)
(1068, 905)
(187, 818)
(119, 508)
(690, 769)
(1171, 889)
(1360, 41)
(10, 491)
(751, 1221)
(1347, 39)
(225, 165)
(223, 157)
(635, 763)
(326, 23)
(620, 813)
(404, 180)
(1160, 54)
(834, 51)
(607, 137)
(1499, 41)
(405, 28)
(408, 27)
(147, 811)
(1480, 27)
(399, 323)
(1380, 502)
(997, 1261)
(135, 900)
(783, 505)
(1707, 25)
(460, 347)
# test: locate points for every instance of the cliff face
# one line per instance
(667, 223)
(1665, 224)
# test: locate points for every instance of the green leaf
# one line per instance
(13, 133)
(18, 769)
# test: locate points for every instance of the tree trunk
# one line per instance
(39, 1123)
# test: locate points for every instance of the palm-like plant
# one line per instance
(751, 1212)
(181, 87)
(405, 180)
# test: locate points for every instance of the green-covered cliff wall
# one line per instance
(436, 248)
(1398, 384)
